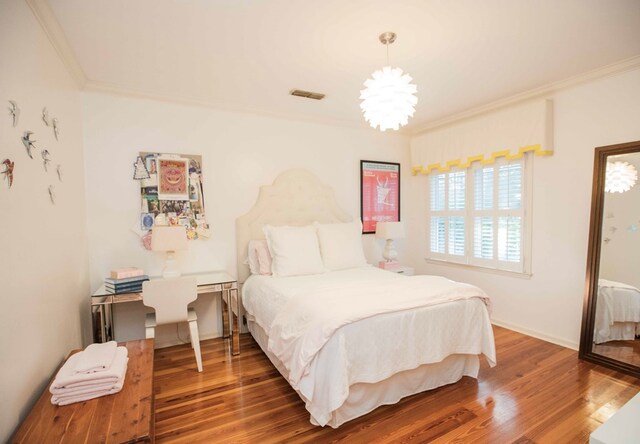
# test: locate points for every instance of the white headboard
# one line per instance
(297, 197)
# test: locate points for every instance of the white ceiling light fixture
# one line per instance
(620, 177)
(389, 97)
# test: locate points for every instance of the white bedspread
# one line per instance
(312, 328)
(617, 304)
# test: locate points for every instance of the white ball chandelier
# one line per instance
(389, 97)
(620, 177)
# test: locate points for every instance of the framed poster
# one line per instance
(173, 178)
(379, 193)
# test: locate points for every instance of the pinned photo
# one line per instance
(146, 221)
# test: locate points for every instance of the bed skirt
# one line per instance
(618, 331)
(366, 397)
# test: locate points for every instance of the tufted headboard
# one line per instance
(297, 197)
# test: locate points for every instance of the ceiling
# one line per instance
(248, 54)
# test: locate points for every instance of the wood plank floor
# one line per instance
(538, 393)
(625, 351)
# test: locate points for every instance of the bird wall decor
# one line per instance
(56, 130)
(52, 194)
(8, 170)
(28, 143)
(45, 159)
(45, 116)
(14, 111)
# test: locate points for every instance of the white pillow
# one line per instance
(294, 250)
(252, 258)
(341, 245)
(258, 257)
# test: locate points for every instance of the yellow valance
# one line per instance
(509, 133)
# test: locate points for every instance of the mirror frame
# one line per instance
(593, 259)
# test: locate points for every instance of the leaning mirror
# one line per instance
(611, 317)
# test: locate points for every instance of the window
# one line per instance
(478, 216)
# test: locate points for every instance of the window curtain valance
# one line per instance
(509, 133)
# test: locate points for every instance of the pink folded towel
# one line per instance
(96, 357)
(67, 378)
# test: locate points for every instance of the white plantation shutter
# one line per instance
(437, 192)
(437, 234)
(447, 230)
(456, 235)
(509, 235)
(483, 237)
(483, 189)
(480, 219)
(510, 186)
(457, 190)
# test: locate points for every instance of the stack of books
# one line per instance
(125, 280)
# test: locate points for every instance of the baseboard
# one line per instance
(176, 341)
(536, 334)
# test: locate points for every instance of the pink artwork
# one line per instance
(173, 179)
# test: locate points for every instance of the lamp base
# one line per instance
(171, 269)
(389, 253)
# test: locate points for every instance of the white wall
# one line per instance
(43, 272)
(549, 304)
(239, 151)
(620, 256)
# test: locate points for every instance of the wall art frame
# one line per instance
(379, 193)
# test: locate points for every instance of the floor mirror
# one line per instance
(611, 315)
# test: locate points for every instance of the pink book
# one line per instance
(389, 265)
(122, 273)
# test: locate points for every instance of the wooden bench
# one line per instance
(126, 416)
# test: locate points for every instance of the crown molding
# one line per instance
(112, 89)
(599, 73)
(51, 27)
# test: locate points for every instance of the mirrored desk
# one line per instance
(208, 282)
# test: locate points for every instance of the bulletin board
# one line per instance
(173, 194)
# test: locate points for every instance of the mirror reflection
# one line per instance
(617, 317)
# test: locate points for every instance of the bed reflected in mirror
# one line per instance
(611, 321)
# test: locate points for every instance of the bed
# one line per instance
(356, 337)
(617, 312)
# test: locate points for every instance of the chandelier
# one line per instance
(620, 177)
(388, 99)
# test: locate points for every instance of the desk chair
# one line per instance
(169, 298)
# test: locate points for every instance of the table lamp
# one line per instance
(169, 239)
(389, 231)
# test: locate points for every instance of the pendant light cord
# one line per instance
(387, 45)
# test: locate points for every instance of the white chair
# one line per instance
(169, 298)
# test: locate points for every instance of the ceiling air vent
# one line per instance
(306, 94)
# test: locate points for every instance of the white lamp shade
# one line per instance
(172, 238)
(388, 99)
(620, 177)
(389, 230)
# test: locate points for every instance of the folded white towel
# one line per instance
(67, 378)
(79, 390)
(96, 357)
(65, 400)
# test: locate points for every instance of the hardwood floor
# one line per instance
(625, 351)
(539, 392)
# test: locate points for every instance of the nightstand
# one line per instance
(409, 271)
